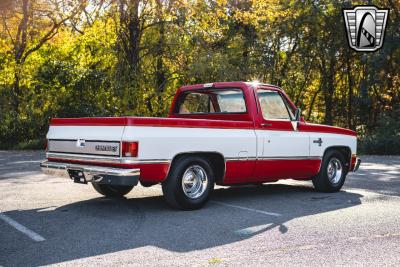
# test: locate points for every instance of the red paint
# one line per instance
(130, 149)
(189, 123)
(196, 123)
(97, 121)
(267, 170)
(237, 172)
(217, 116)
(153, 122)
(154, 172)
(317, 128)
(353, 162)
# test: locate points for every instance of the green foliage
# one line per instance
(35, 144)
(385, 137)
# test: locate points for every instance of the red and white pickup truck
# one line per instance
(225, 133)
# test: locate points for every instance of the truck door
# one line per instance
(283, 151)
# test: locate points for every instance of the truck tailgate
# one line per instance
(85, 140)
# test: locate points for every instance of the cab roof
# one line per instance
(240, 84)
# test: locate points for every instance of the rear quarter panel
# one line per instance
(166, 142)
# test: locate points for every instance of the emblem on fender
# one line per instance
(365, 26)
(318, 141)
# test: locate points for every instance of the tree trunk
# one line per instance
(329, 90)
(160, 70)
(129, 34)
(310, 108)
(19, 49)
(16, 91)
(350, 95)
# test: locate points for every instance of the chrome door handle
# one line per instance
(266, 124)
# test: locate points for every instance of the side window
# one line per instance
(196, 103)
(219, 101)
(273, 107)
(231, 102)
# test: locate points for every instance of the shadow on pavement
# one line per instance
(99, 226)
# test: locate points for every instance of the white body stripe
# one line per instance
(283, 143)
(331, 140)
(166, 142)
(105, 133)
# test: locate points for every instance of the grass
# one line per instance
(215, 261)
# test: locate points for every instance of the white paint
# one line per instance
(47, 209)
(253, 230)
(331, 140)
(31, 234)
(283, 143)
(248, 209)
(105, 133)
(156, 188)
(167, 142)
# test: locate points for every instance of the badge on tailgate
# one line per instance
(106, 148)
(80, 143)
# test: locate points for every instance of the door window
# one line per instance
(273, 106)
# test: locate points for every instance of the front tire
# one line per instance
(112, 190)
(189, 184)
(332, 174)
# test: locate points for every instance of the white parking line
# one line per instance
(254, 229)
(249, 209)
(31, 234)
(235, 206)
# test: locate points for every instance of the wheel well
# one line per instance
(215, 159)
(345, 151)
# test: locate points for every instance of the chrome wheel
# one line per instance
(194, 181)
(334, 170)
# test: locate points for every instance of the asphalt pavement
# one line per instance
(52, 221)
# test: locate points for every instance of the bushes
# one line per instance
(384, 139)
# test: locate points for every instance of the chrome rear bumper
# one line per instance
(96, 174)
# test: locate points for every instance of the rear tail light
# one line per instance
(130, 149)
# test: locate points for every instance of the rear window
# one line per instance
(211, 101)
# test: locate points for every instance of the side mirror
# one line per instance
(297, 114)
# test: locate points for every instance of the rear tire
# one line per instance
(112, 190)
(332, 173)
(189, 183)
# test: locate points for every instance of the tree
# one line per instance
(28, 25)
